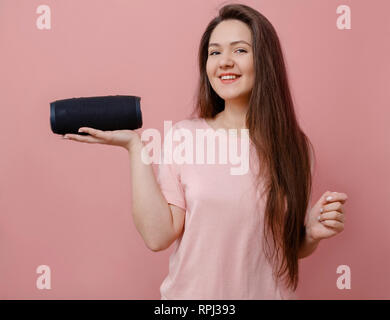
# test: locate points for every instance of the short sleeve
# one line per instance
(169, 178)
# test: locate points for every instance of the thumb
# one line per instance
(323, 200)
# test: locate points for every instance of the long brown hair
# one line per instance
(281, 146)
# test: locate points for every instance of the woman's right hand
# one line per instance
(121, 138)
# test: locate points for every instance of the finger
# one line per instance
(334, 224)
(334, 206)
(105, 136)
(329, 197)
(77, 137)
(333, 215)
(91, 131)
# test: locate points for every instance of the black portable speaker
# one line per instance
(103, 113)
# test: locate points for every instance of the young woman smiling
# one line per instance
(237, 237)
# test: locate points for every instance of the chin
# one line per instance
(225, 96)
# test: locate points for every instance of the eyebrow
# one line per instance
(231, 43)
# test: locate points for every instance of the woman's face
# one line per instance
(237, 58)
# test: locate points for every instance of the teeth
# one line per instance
(228, 77)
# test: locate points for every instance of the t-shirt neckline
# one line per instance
(225, 131)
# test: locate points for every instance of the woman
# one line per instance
(237, 237)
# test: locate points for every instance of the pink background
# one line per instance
(68, 205)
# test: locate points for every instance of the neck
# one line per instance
(234, 114)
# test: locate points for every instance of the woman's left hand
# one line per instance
(327, 217)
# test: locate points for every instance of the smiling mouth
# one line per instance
(227, 81)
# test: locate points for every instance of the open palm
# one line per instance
(122, 138)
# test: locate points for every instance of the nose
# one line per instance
(225, 61)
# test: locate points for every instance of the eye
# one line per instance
(212, 53)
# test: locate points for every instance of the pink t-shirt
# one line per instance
(219, 255)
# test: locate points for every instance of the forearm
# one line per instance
(308, 247)
(151, 213)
